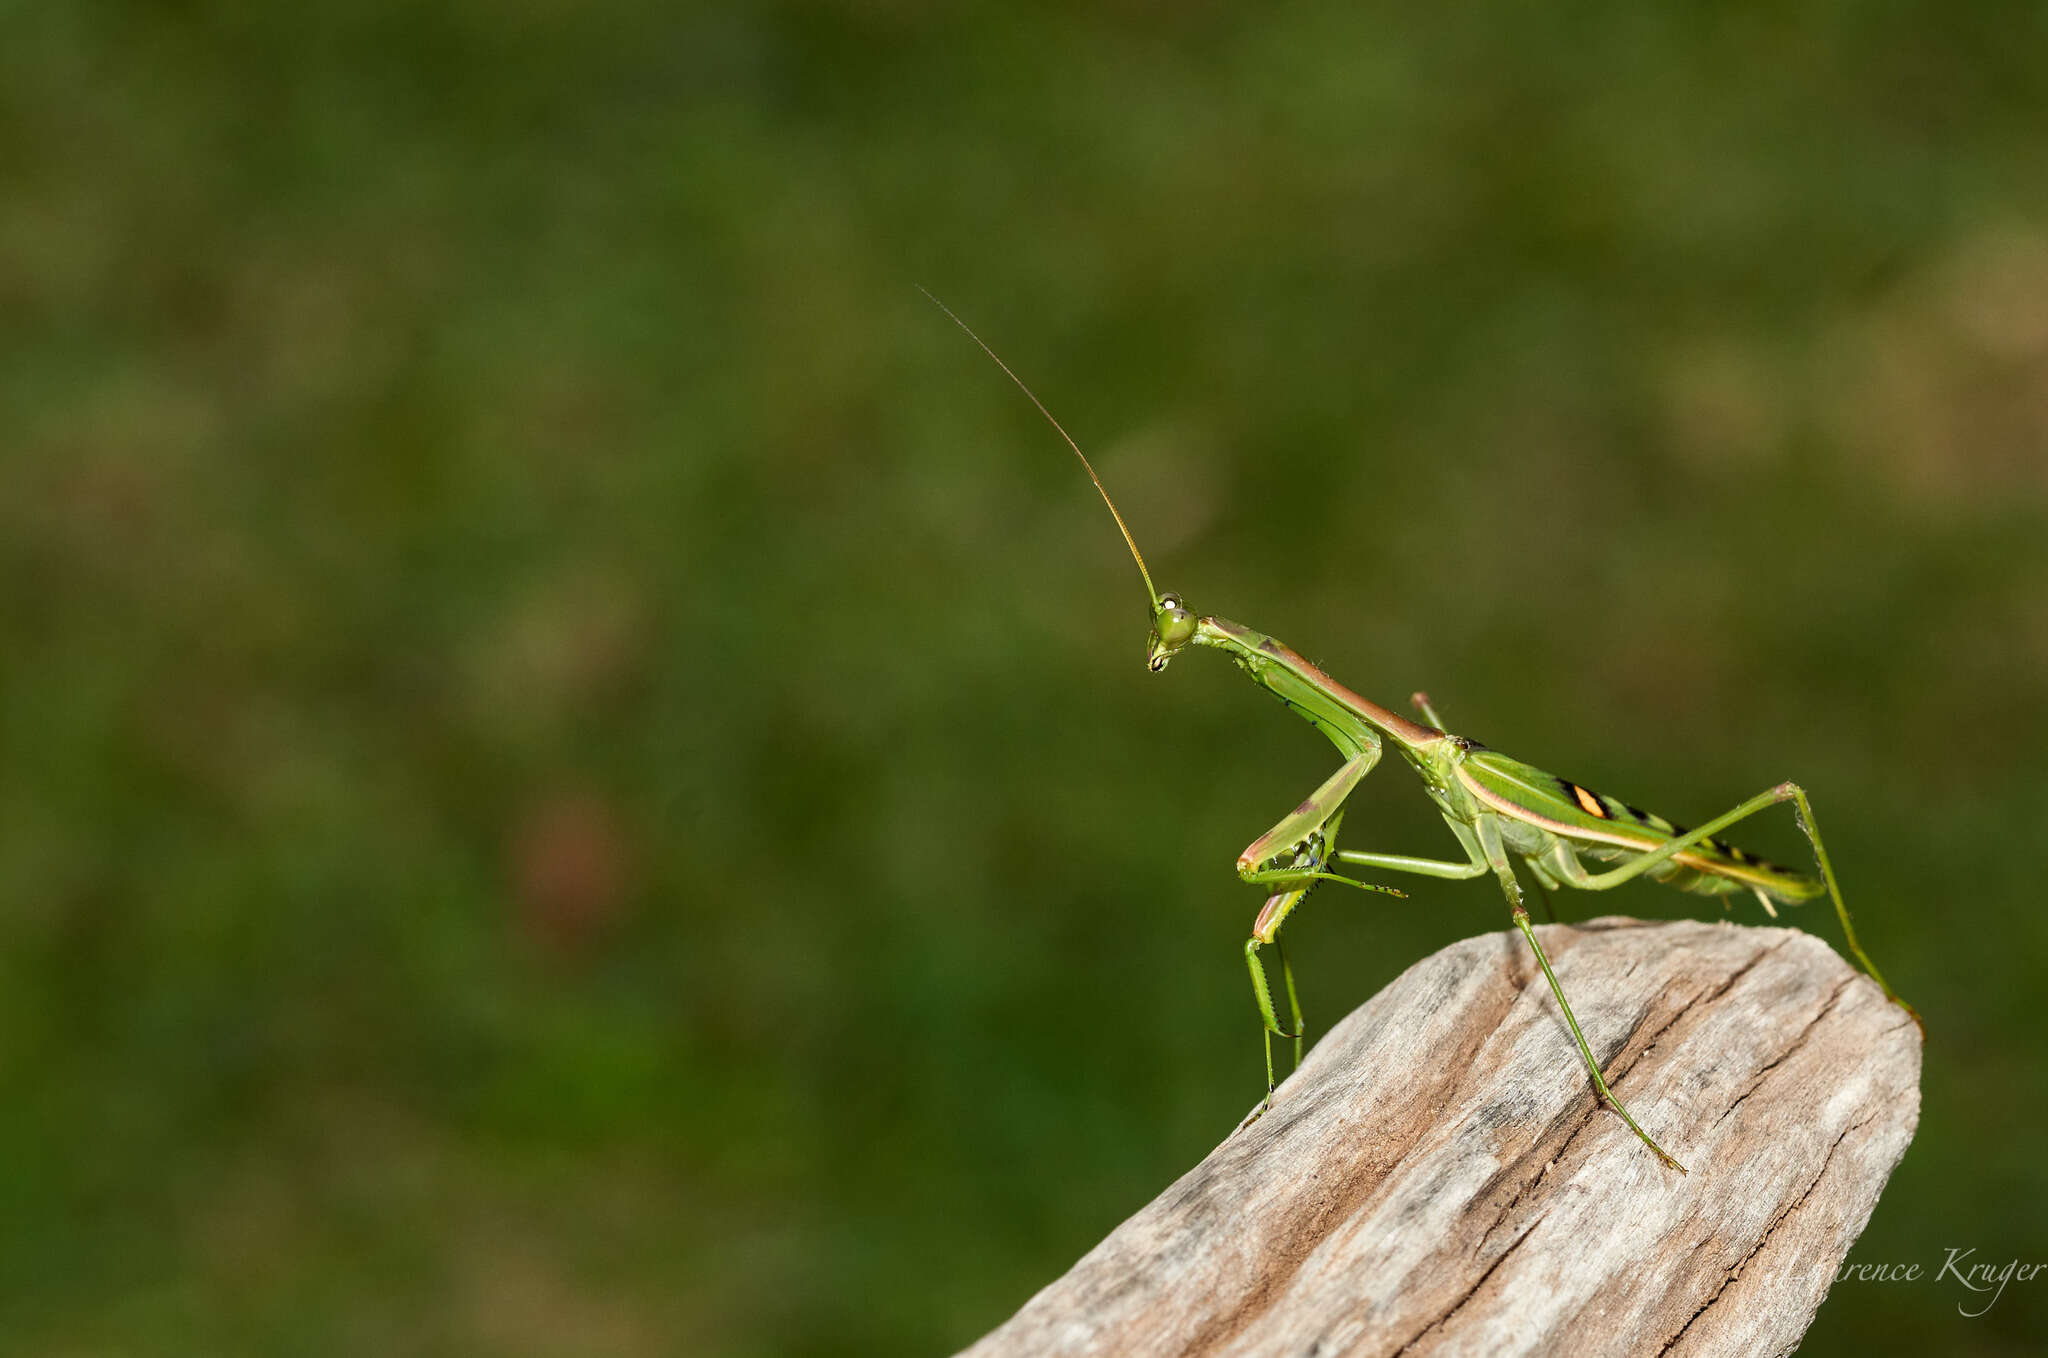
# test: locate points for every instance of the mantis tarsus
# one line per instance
(1500, 809)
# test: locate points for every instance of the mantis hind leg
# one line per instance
(1592, 1066)
(1496, 856)
(1803, 812)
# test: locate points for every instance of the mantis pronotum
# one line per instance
(1500, 809)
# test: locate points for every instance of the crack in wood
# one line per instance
(1471, 1291)
(1798, 1042)
(1735, 1273)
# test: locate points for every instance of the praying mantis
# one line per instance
(1501, 811)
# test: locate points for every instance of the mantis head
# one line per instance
(1173, 627)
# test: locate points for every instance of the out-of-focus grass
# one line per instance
(574, 769)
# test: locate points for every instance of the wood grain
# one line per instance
(1438, 1179)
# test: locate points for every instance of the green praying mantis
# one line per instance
(1501, 811)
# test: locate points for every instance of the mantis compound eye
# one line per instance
(1172, 628)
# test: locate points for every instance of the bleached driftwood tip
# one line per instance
(1437, 1178)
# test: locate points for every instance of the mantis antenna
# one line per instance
(1129, 541)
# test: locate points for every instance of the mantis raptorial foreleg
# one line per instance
(1293, 999)
(1302, 876)
(1293, 854)
(1278, 905)
(1497, 859)
(1299, 828)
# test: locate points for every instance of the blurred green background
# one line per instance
(575, 770)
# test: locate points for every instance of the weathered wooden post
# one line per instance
(1438, 1179)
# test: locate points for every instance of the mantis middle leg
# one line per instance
(1488, 853)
